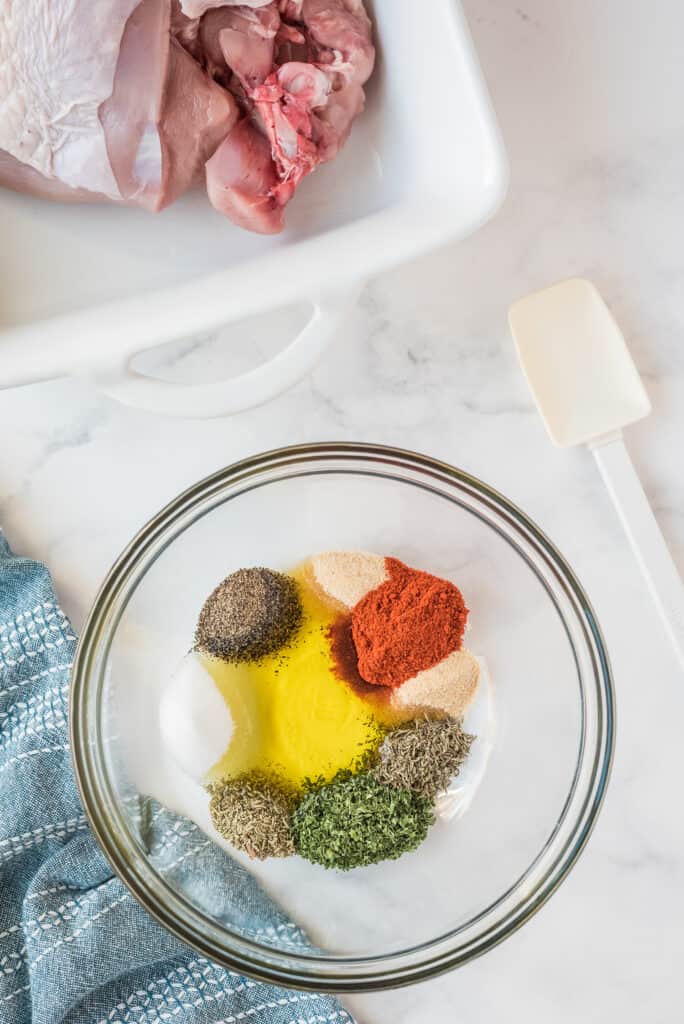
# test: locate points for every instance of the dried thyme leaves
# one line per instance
(252, 613)
(423, 755)
(254, 815)
(355, 821)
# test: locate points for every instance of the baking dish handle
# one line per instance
(236, 394)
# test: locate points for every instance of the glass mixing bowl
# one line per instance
(475, 880)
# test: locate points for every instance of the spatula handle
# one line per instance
(643, 533)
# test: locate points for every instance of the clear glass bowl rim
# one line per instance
(186, 922)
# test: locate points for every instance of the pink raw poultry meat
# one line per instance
(165, 117)
(305, 107)
(240, 42)
(128, 116)
(143, 95)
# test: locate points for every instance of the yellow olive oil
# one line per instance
(294, 718)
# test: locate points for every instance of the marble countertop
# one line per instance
(589, 100)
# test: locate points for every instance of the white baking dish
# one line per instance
(85, 288)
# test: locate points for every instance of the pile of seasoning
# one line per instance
(356, 821)
(347, 683)
(406, 625)
(254, 815)
(423, 755)
(252, 613)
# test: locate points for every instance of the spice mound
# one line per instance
(254, 815)
(252, 613)
(406, 625)
(345, 577)
(423, 756)
(345, 685)
(356, 821)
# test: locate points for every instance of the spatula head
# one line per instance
(576, 362)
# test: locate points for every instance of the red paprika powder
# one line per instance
(407, 624)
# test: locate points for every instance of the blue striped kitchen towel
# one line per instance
(74, 945)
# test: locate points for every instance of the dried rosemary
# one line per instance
(254, 815)
(355, 821)
(423, 755)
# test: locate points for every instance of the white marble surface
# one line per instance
(590, 101)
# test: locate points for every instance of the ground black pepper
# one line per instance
(252, 613)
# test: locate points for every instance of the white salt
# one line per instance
(195, 721)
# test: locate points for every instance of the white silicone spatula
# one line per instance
(587, 389)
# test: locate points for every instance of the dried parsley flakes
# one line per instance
(423, 755)
(355, 821)
(254, 815)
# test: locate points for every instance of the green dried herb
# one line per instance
(355, 821)
(423, 755)
(254, 815)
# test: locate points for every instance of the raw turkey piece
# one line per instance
(133, 101)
